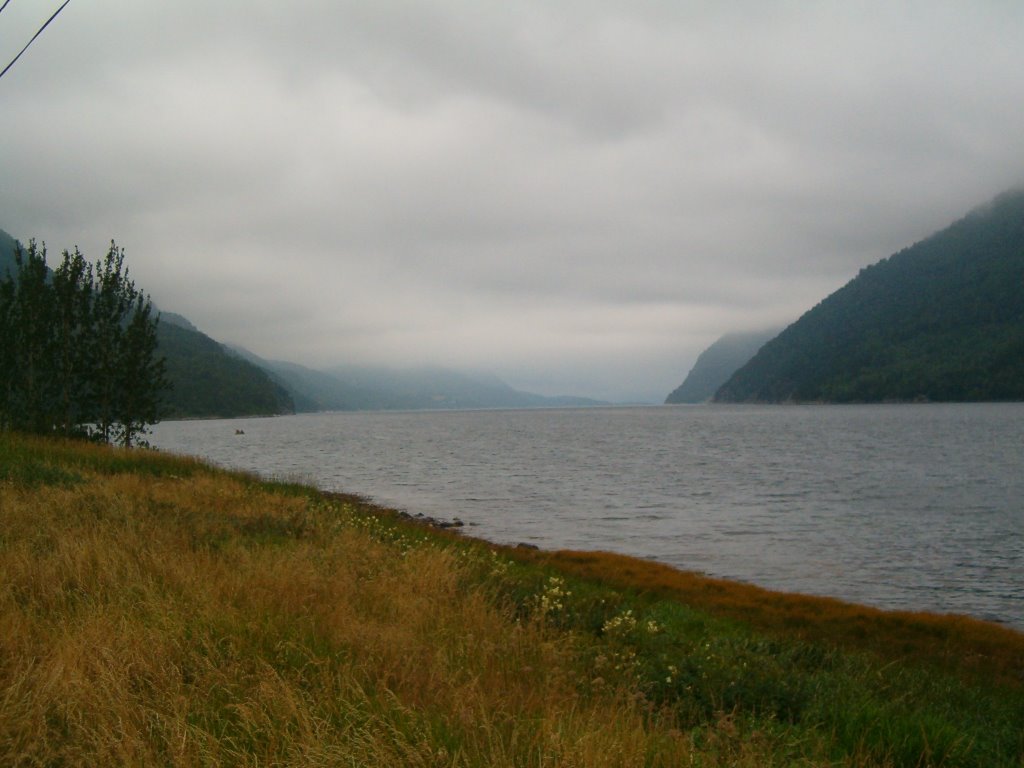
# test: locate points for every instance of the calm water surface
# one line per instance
(917, 507)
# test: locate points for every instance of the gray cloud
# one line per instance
(578, 196)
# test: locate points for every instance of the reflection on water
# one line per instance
(917, 507)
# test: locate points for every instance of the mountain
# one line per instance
(206, 379)
(357, 388)
(311, 390)
(7, 246)
(428, 388)
(179, 320)
(209, 381)
(940, 320)
(716, 364)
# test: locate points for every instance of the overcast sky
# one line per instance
(576, 196)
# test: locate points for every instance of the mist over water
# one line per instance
(914, 507)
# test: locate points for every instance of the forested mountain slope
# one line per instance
(7, 246)
(717, 363)
(208, 380)
(940, 320)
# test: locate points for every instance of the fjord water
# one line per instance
(917, 507)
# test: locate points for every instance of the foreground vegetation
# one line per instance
(155, 611)
(78, 348)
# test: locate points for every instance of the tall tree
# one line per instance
(113, 297)
(78, 348)
(31, 398)
(73, 298)
(7, 353)
(142, 379)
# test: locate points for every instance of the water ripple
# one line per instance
(912, 507)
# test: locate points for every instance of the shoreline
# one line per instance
(162, 610)
(806, 521)
(650, 569)
(807, 618)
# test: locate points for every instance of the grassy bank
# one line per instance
(155, 611)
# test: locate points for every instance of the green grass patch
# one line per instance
(159, 611)
(48, 461)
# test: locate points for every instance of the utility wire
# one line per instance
(4, 5)
(37, 34)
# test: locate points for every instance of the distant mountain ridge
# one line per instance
(942, 320)
(431, 387)
(209, 379)
(716, 364)
(358, 388)
(7, 247)
(206, 380)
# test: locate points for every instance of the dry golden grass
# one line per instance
(155, 612)
(207, 621)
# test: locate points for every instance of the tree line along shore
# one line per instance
(156, 610)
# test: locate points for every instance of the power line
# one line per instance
(37, 34)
